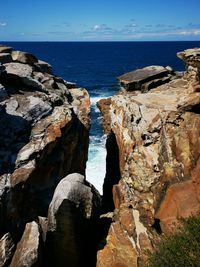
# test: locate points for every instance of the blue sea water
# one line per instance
(95, 66)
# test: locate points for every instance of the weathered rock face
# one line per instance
(72, 216)
(157, 135)
(6, 250)
(44, 136)
(29, 250)
(146, 78)
(104, 107)
(191, 57)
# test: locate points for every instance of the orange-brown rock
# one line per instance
(28, 252)
(104, 107)
(157, 135)
(181, 201)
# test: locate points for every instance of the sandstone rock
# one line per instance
(5, 49)
(69, 239)
(104, 107)
(157, 135)
(5, 58)
(80, 98)
(43, 136)
(191, 57)
(6, 250)
(24, 57)
(28, 251)
(43, 223)
(20, 74)
(43, 66)
(145, 79)
(18, 69)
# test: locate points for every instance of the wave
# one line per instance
(96, 165)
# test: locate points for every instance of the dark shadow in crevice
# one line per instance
(195, 109)
(112, 173)
(157, 226)
(112, 177)
(73, 243)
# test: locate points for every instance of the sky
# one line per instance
(100, 20)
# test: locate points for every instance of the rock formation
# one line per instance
(44, 137)
(49, 213)
(146, 78)
(72, 219)
(157, 136)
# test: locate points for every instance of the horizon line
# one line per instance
(100, 41)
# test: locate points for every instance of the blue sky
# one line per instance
(101, 20)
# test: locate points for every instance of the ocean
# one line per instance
(95, 66)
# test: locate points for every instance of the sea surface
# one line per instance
(95, 66)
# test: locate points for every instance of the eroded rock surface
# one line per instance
(146, 78)
(29, 249)
(157, 134)
(44, 137)
(6, 250)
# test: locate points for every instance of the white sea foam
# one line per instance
(96, 165)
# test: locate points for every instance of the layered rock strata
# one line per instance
(158, 139)
(146, 78)
(44, 137)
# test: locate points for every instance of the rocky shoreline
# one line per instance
(49, 214)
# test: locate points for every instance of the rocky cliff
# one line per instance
(153, 127)
(44, 137)
(49, 213)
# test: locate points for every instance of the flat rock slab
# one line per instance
(5, 49)
(18, 69)
(135, 79)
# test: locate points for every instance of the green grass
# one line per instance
(181, 249)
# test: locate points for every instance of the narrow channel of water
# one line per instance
(96, 165)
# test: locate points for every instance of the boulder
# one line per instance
(72, 213)
(29, 249)
(43, 66)
(5, 58)
(5, 49)
(24, 57)
(6, 250)
(146, 78)
(18, 69)
(21, 74)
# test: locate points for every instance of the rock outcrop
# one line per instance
(157, 136)
(72, 219)
(44, 137)
(6, 249)
(146, 78)
(29, 249)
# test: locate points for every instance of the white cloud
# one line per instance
(189, 32)
(3, 24)
(101, 28)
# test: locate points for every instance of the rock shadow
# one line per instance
(14, 134)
